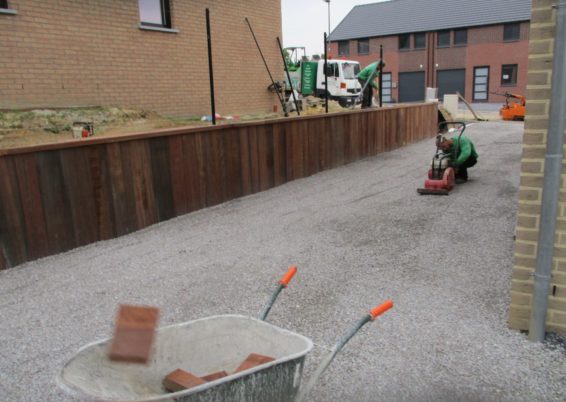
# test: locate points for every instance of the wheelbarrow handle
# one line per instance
(281, 284)
(382, 308)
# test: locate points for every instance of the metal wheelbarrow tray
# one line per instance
(201, 347)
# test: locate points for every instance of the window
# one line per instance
(363, 46)
(443, 39)
(509, 74)
(3, 3)
(420, 40)
(344, 48)
(332, 70)
(460, 37)
(386, 89)
(511, 32)
(155, 13)
(481, 84)
(404, 41)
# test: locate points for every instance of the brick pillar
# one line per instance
(532, 173)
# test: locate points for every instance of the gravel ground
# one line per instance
(359, 234)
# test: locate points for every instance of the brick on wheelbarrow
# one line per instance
(134, 333)
(253, 360)
(179, 380)
(214, 376)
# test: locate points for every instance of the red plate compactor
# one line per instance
(441, 175)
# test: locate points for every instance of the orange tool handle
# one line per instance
(382, 308)
(288, 276)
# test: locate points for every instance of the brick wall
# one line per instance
(530, 194)
(485, 47)
(63, 53)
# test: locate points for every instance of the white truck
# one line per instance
(343, 85)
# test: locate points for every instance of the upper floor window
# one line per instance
(363, 46)
(460, 36)
(404, 41)
(155, 13)
(3, 3)
(420, 40)
(509, 74)
(344, 48)
(511, 32)
(443, 39)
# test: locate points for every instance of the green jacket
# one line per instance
(465, 150)
(369, 73)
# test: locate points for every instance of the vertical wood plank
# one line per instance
(279, 155)
(254, 158)
(265, 156)
(58, 216)
(32, 207)
(246, 175)
(12, 226)
(177, 171)
(161, 175)
(121, 191)
(144, 199)
(231, 140)
(215, 170)
(76, 174)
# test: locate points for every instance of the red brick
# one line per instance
(179, 380)
(253, 360)
(214, 376)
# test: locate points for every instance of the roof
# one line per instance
(407, 16)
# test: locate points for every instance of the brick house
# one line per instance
(471, 46)
(145, 54)
(540, 75)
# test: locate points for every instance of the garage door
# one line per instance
(450, 82)
(412, 87)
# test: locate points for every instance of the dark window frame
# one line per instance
(4, 4)
(514, 73)
(420, 35)
(512, 32)
(341, 44)
(438, 36)
(463, 41)
(486, 84)
(363, 41)
(405, 38)
(165, 16)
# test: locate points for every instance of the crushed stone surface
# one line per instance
(359, 234)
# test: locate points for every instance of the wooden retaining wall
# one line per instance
(60, 196)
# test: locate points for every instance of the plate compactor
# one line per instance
(441, 175)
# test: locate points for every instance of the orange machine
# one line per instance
(512, 110)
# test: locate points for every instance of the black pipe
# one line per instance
(325, 74)
(275, 86)
(288, 76)
(380, 75)
(210, 72)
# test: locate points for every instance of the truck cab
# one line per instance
(343, 84)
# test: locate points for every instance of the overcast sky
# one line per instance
(305, 21)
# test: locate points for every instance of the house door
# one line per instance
(386, 90)
(481, 84)
(412, 87)
(450, 82)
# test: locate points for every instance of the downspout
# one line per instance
(551, 186)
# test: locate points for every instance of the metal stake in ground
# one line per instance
(275, 86)
(325, 74)
(211, 74)
(288, 76)
(380, 75)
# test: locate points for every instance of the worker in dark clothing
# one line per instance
(466, 157)
(370, 73)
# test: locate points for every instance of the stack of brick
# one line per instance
(532, 175)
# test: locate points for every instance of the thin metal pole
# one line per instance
(210, 72)
(551, 185)
(380, 75)
(325, 74)
(281, 100)
(288, 76)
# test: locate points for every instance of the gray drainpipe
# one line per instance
(551, 187)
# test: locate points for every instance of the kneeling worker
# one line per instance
(467, 155)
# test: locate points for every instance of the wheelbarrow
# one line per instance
(204, 346)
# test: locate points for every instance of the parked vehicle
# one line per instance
(307, 77)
